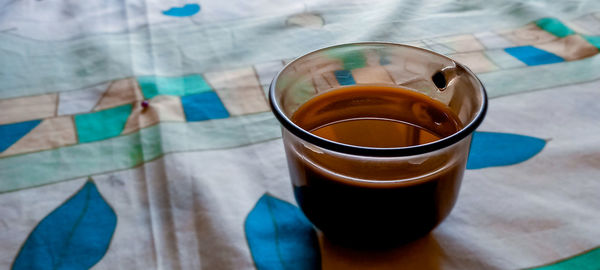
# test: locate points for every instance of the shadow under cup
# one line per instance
(376, 197)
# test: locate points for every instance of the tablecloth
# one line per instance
(136, 134)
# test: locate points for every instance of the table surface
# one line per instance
(136, 134)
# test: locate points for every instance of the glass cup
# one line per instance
(374, 197)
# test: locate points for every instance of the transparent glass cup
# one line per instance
(366, 196)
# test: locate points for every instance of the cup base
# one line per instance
(373, 241)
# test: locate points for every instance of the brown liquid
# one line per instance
(377, 117)
(384, 212)
(375, 132)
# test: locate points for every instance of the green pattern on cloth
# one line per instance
(351, 60)
(132, 150)
(594, 40)
(554, 26)
(175, 86)
(102, 125)
(589, 260)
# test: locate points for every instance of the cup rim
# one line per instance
(375, 151)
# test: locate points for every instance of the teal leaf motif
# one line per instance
(281, 237)
(184, 11)
(75, 235)
(489, 149)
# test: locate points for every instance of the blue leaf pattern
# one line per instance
(75, 235)
(185, 11)
(281, 237)
(490, 149)
(11, 133)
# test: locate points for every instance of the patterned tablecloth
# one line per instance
(136, 134)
